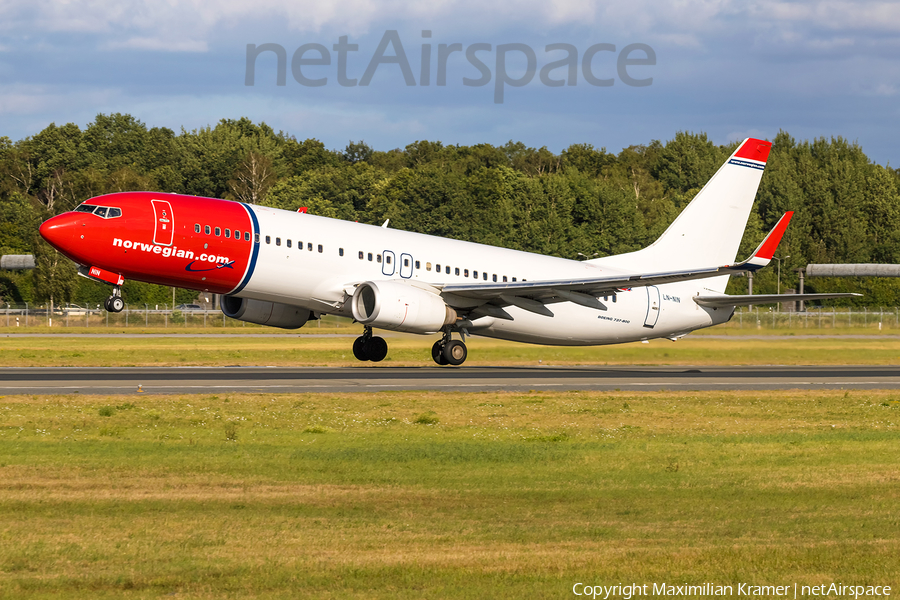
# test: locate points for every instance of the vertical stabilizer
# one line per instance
(709, 230)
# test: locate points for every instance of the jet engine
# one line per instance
(400, 307)
(273, 314)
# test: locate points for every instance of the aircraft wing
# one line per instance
(532, 295)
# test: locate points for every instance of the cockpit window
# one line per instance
(104, 212)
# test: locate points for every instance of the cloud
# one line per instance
(167, 45)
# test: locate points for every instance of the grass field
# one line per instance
(409, 350)
(424, 495)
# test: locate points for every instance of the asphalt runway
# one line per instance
(186, 380)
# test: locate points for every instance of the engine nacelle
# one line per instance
(273, 314)
(400, 307)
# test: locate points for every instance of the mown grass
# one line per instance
(407, 350)
(426, 495)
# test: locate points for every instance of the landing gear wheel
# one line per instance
(359, 349)
(376, 349)
(454, 352)
(115, 304)
(437, 353)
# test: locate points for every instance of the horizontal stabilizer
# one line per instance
(723, 300)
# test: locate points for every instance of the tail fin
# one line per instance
(709, 230)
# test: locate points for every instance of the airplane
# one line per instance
(281, 268)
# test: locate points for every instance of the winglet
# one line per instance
(766, 250)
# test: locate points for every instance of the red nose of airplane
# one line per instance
(62, 231)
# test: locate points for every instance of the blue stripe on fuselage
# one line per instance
(254, 255)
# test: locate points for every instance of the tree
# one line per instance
(54, 275)
(252, 179)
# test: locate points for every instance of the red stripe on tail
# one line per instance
(754, 150)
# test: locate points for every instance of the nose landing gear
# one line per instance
(115, 303)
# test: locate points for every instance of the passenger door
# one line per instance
(652, 306)
(164, 230)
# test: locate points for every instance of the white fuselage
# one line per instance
(323, 272)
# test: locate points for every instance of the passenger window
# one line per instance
(417, 264)
(504, 279)
(206, 229)
(437, 268)
(428, 266)
(456, 271)
(287, 243)
(388, 258)
(246, 236)
(256, 237)
(268, 240)
(447, 271)
(378, 258)
(278, 241)
(615, 296)
(113, 213)
(405, 262)
(370, 257)
(466, 272)
(227, 232)
(197, 228)
(514, 278)
(475, 274)
(340, 251)
(320, 248)
(484, 276)
(309, 246)
(360, 255)
(495, 277)
(218, 231)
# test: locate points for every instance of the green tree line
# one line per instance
(581, 203)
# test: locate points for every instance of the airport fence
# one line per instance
(756, 317)
(147, 316)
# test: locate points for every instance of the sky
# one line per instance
(547, 73)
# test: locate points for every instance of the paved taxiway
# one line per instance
(181, 380)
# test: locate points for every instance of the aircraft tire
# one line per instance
(437, 353)
(116, 304)
(376, 349)
(359, 349)
(455, 352)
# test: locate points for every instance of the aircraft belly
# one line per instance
(624, 320)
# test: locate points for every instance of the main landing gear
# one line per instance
(115, 303)
(447, 351)
(369, 347)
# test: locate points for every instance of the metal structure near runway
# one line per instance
(16, 262)
(847, 270)
(852, 270)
